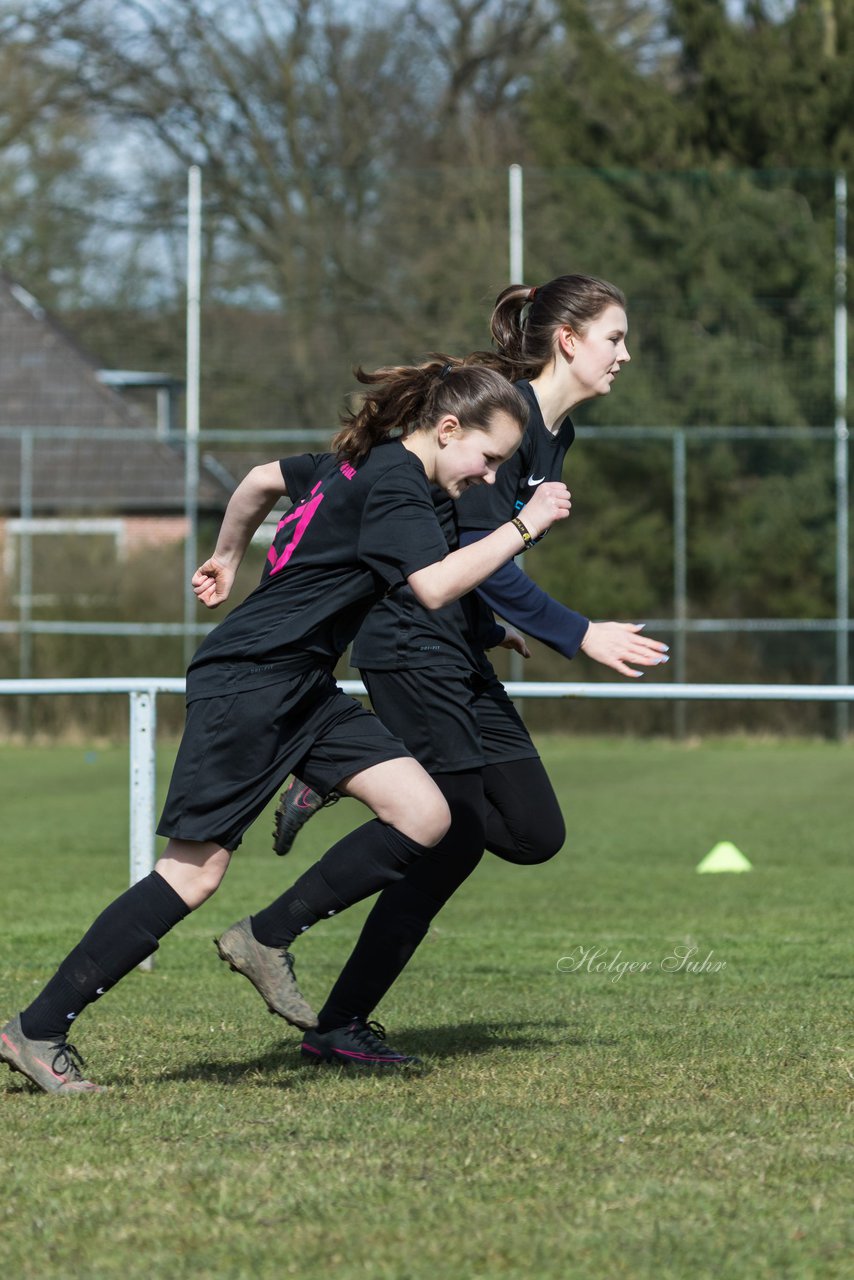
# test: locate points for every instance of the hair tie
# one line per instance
(532, 294)
(445, 370)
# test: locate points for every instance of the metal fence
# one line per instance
(232, 452)
(533, 212)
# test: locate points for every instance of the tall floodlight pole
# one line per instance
(841, 448)
(191, 459)
(516, 216)
(516, 224)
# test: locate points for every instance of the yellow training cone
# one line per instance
(724, 857)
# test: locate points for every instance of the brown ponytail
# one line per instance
(525, 319)
(406, 398)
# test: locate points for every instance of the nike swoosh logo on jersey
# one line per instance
(532, 481)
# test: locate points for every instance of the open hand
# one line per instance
(616, 644)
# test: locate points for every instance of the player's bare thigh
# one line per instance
(402, 794)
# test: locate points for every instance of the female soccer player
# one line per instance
(262, 699)
(429, 679)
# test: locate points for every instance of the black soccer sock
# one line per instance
(388, 942)
(402, 914)
(363, 862)
(124, 934)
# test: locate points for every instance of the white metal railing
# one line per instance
(143, 692)
(143, 725)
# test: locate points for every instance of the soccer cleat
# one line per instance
(297, 803)
(270, 970)
(360, 1044)
(53, 1065)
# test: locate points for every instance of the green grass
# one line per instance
(579, 1124)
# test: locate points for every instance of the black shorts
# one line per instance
(450, 719)
(237, 751)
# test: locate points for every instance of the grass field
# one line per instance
(661, 1122)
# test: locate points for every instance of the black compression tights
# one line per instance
(514, 808)
(524, 823)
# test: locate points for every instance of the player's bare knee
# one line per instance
(194, 870)
(208, 880)
(436, 822)
(425, 818)
(405, 797)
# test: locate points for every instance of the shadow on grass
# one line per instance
(283, 1064)
(16, 1086)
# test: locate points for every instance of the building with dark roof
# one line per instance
(74, 447)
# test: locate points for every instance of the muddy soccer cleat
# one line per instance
(270, 970)
(360, 1044)
(53, 1065)
(297, 803)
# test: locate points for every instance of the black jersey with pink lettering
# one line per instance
(355, 532)
(400, 635)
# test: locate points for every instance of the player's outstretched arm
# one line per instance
(513, 595)
(445, 581)
(252, 500)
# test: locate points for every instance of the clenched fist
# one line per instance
(551, 502)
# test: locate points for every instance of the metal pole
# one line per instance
(841, 449)
(191, 462)
(143, 732)
(516, 224)
(680, 576)
(517, 249)
(25, 567)
(25, 580)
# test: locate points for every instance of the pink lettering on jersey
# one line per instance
(347, 471)
(302, 514)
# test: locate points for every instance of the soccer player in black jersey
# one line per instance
(428, 675)
(262, 700)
